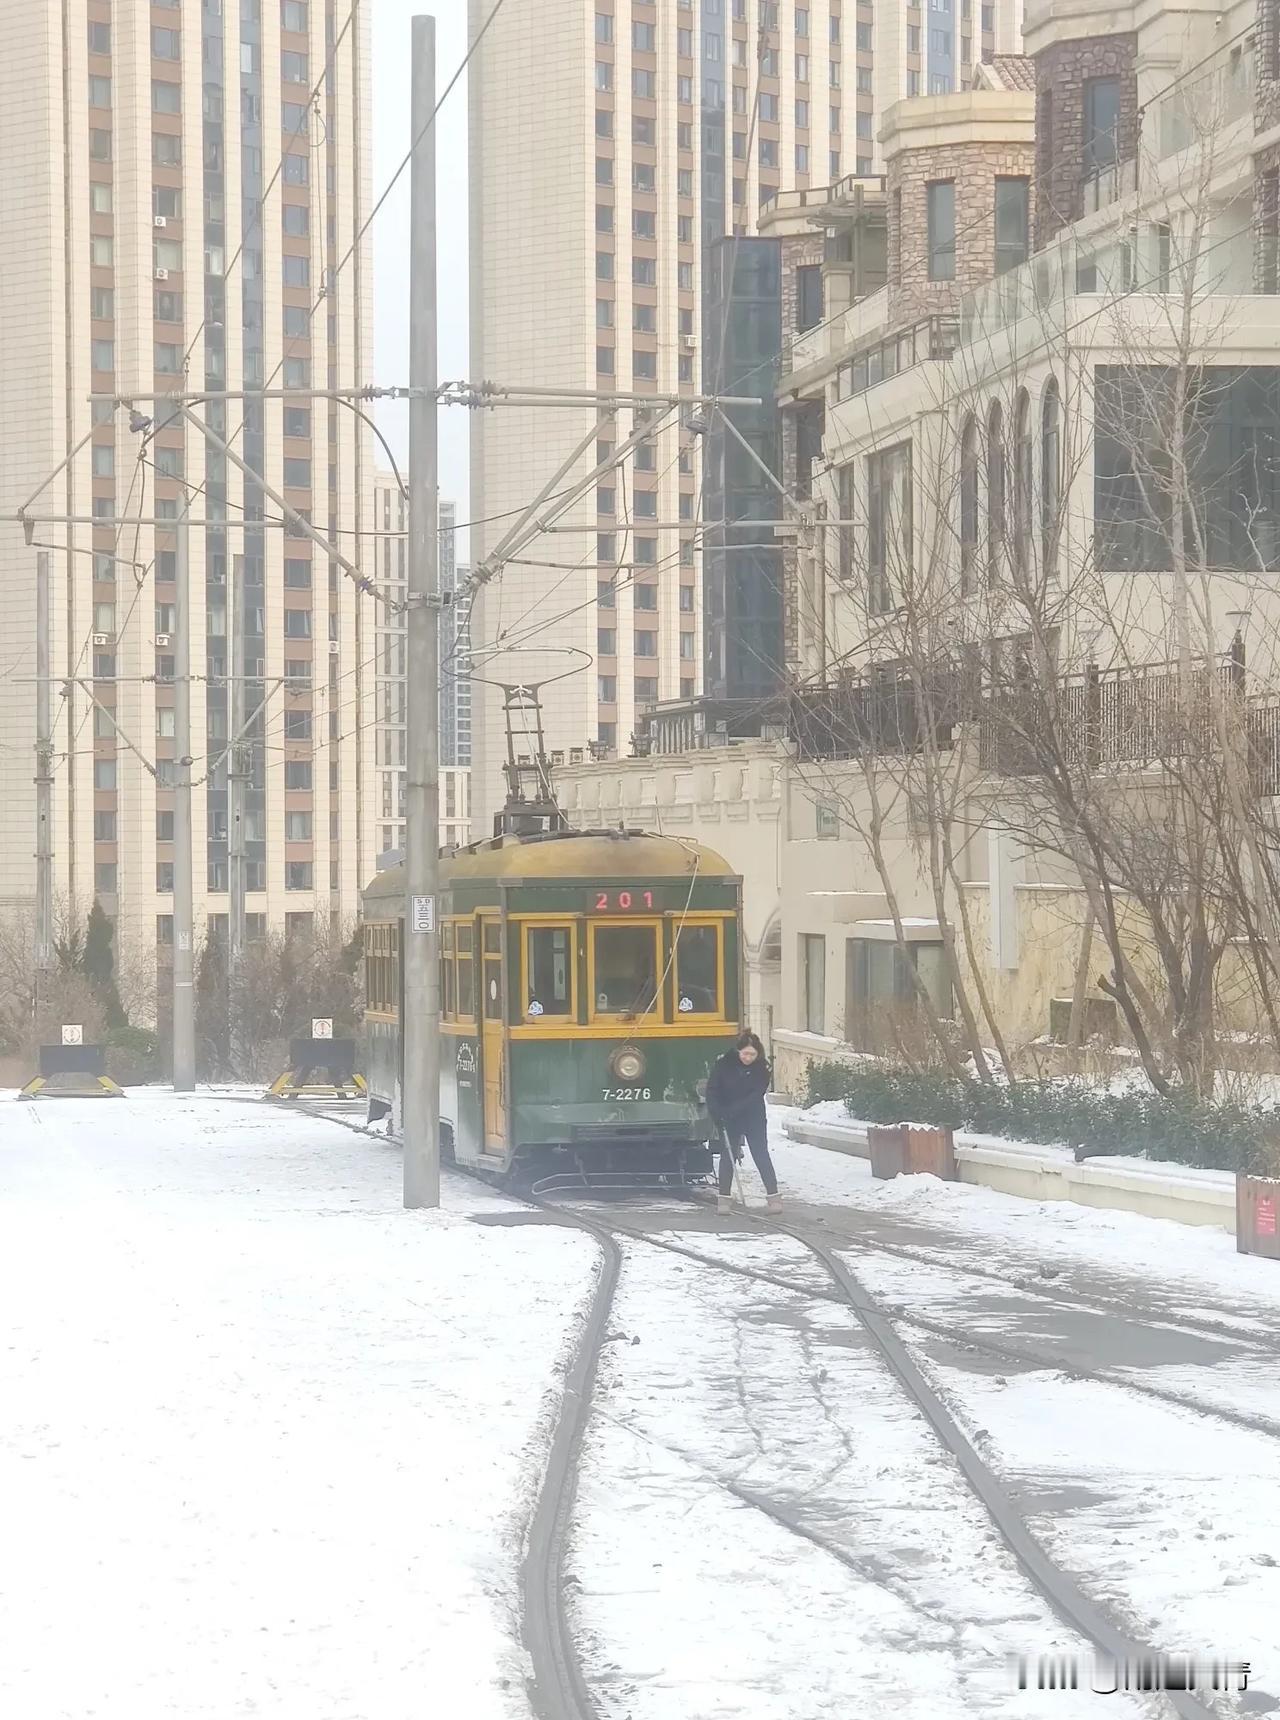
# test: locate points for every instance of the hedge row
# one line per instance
(1181, 1130)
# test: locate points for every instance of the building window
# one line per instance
(1101, 125)
(293, 15)
(297, 875)
(1023, 464)
(165, 97)
(969, 462)
(813, 982)
(604, 360)
(889, 526)
(604, 27)
(604, 265)
(606, 642)
(166, 44)
(99, 145)
(644, 224)
(646, 643)
(644, 84)
(940, 218)
(1012, 223)
(99, 92)
(996, 486)
(297, 775)
(1050, 477)
(808, 296)
(646, 689)
(644, 38)
(644, 272)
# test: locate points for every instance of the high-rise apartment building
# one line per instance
(391, 517)
(612, 147)
(455, 649)
(185, 188)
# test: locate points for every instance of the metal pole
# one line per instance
(420, 1023)
(44, 782)
(237, 774)
(184, 1026)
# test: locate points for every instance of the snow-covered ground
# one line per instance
(885, 1591)
(268, 1443)
(1199, 1264)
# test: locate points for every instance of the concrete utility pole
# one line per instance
(420, 1014)
(44, 782)
(184, 1013)
(237, 782)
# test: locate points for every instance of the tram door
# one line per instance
(493, 1020)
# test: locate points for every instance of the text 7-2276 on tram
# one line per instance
(588, 981)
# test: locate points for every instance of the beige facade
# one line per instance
(191, 180)
(610, 147)
(965, 436)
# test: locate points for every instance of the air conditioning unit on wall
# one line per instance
(163, 640)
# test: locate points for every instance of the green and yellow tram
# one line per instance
(588, 981)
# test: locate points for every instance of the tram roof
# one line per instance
(581, 855)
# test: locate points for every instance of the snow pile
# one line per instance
(1003, 1232)
(269, 1442)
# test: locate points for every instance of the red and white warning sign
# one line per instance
(1264, 1223)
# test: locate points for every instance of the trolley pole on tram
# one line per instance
(420, 1016)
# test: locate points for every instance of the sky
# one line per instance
(391, 139)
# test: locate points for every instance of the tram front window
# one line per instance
(625, 968)
(698, 970)
(549, 971)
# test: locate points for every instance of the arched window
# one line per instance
(1050, 478)
(969, 460)
(996, 488)
(1022, 470)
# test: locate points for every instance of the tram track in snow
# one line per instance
(559, 1688)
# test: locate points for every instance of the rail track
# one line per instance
(559, 1689)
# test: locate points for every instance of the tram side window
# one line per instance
(698, 970)
(448, 991)
(549, 971)
(465, 940)
(381, 971)
(625, 969)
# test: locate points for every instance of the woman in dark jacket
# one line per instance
(735, 1098)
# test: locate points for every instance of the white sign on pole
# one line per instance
(322, 1027)
(72, 1035)
(423, 917)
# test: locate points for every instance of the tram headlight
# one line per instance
(627, 1064)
